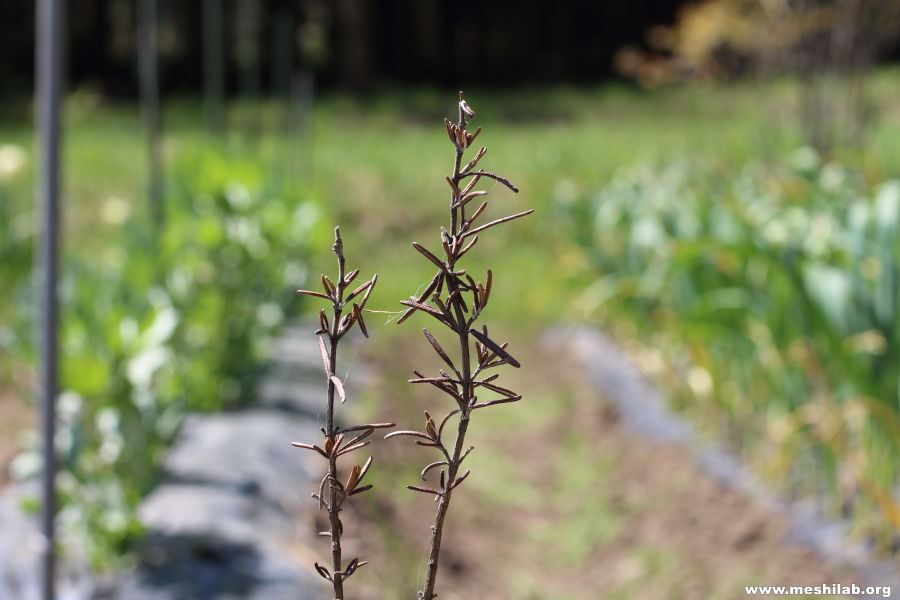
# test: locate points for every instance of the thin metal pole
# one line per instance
(281, 53)
(214, 66)
(48, 81)
(148, 68)
(249, 34)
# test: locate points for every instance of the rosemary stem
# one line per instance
(462, 330)
(334, 501)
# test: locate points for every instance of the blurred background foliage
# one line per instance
(716, 184)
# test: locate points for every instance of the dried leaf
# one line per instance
(495, 177)
(362, 288)
(433, 465)
(459, 480)
(453, 186)
(365, 469)
(435, 282)
(444, 421)
(430, 428)
(472, 183)
(499, 221)
(323, 572)
(352, 478)
(493, 402)
(365, 434)
(438, 349)
(467, 247)
(495, 348)
(496, 388)
(312, 293)
(325, 359)
(478, 212)
(427, 254)
(353, 447)
(339, 386)
(369, 289)
(410, 433)
(449, 127)
(306, 446)
(416, 305)
(465, 108)
(328, 284)
(424, 490)
(478, 156)
(360, 490)
(372, 426)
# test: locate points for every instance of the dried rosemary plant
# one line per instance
(340, 441)
(445, 299)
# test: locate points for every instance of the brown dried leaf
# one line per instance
(325, 359)
(424, 490)
(428, 254)
(362, 324)
(416, 305)
(328, 284)
(497, 388)
(499, 221)
(453, 187)
(430, 466)
(459, 480)
(353, 447)
(495, 177)
(408, 432)
(478, 156)
(365, 426)
(323, 572)
(493, 402)
(494, 347)
(438, 349)
(435, 283)
(314, 294)
(306, 446)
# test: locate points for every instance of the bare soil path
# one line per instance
(565, 502)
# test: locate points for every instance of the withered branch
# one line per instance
(333, 492)
(445, 299)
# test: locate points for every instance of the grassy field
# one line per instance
(377, 164)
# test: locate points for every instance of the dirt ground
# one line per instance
(565, 503)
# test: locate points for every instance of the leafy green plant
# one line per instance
(224, 253)
(154, 327)
(774, 300)
(16, 244)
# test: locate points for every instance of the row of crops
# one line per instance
(768, 301)
(154, 324)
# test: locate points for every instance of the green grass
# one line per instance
(377, 165)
